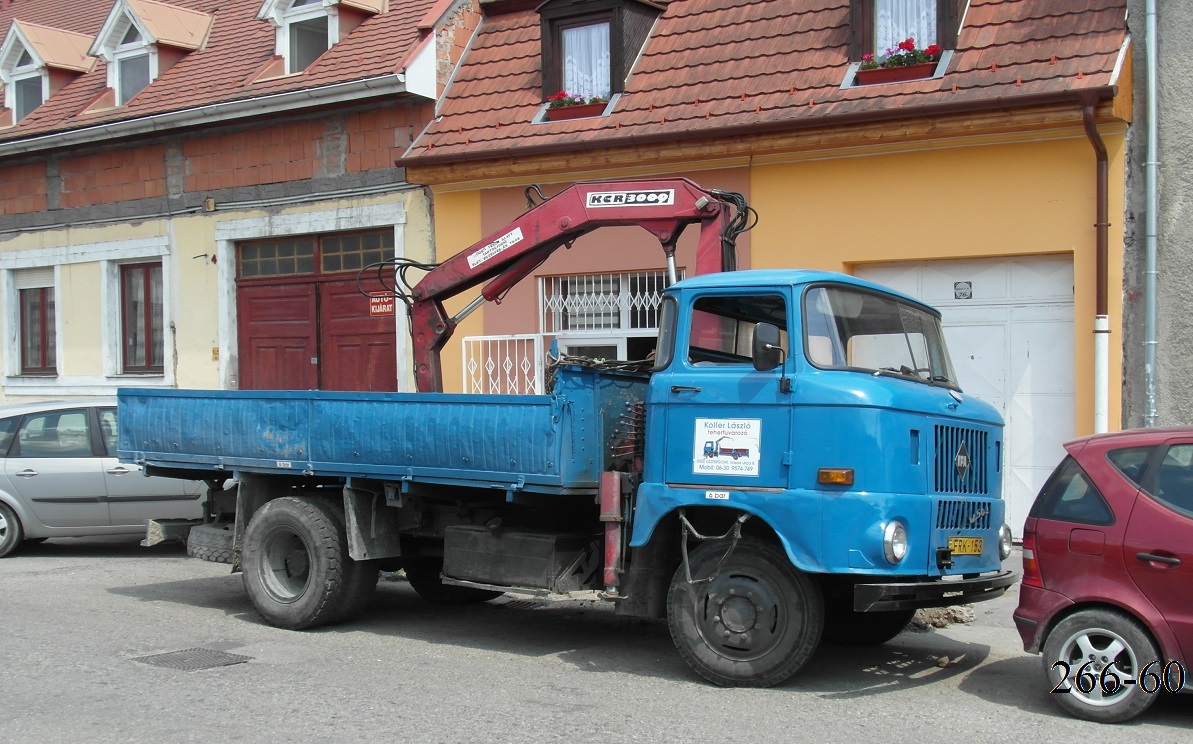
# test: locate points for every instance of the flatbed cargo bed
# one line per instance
(554, 444)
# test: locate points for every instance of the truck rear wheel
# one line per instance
(754, 625)
(424, 576)
(297, 570)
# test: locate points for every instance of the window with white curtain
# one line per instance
(898, 20)
(586, 60)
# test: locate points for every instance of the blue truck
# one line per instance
(867, 484)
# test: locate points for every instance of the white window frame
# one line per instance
(108, 256)
(123, 54)
(111, 47)
(31, 277)
(283, 15)
(615, 335)
(12, 72)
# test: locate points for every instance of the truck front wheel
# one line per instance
(756, 623)
(297, 570)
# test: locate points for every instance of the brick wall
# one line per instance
(336, 145)
(113, 176)
(23, 188)
(285, 152)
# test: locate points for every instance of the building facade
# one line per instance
(189, 191)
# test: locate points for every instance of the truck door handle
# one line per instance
(1170, 560)
(684, 389)
(27, 473)
(119, 470)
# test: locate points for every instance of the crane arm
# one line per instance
(664, 207)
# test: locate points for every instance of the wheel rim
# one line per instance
(739, 615)
(3, 527)
(285, 571)
(1106, 650)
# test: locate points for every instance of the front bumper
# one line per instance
(936, 593)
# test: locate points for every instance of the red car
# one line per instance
(1107, 594)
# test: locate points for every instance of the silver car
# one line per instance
(61, 477)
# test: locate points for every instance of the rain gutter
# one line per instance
(1089, 105)
(1151, 206)
(257, 106)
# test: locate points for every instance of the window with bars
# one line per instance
(142, 319)
(603, 315)
(314, 254)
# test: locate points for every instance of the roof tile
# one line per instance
(712, 65)
(238, 47)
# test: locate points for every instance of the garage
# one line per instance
(1009, 326)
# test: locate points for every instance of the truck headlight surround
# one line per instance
(1004, 541)
(894, 541)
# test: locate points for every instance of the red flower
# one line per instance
(867, 57)
(908, 45)
(932, 51)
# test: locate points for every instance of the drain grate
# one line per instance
(193, 659)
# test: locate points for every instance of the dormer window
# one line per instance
(879, 25)
(133, 65)
(35, 62)
(306, 29)
(27, 87)
(588, 45)
(141, 40)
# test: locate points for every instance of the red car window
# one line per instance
(1174, 479)
(1131, 462)
(1071, 496)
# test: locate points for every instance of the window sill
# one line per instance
(853, 76)
(569, 113)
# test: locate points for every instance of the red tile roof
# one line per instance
(237, 48)
(721, 66)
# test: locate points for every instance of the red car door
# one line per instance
(1158, 545)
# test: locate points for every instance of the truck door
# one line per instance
(727, 423)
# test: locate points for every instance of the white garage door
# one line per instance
(1009, 327)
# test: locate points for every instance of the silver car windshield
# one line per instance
(846, 328)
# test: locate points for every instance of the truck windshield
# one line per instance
(853, 329)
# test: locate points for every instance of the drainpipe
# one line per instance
(1151, 206)
(1102, 228)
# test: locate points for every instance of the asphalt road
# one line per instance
(78, 616)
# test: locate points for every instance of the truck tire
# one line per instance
(424, 576)
(297, 570)
(210, 542)
(754, 625)
(10, 530)
(844, 627)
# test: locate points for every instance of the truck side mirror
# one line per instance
(766, 350)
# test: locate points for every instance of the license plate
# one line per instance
(965, 545)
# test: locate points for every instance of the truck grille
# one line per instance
(960, 460)
(962, 515)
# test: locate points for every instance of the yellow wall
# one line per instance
(1008, 199)
(75, 302)
(457, 226)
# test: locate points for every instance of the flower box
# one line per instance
(581, 111)
(895, 74)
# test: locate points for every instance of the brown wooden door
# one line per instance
(278, 330)
(359, 351)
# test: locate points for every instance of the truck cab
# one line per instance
(859, 452)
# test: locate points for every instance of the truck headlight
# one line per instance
(1004, 542)
(894, 541)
